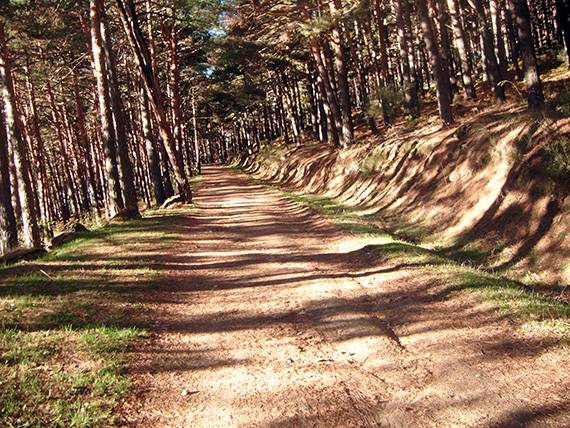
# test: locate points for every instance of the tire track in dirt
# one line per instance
(272, 317)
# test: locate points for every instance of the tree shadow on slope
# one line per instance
(519, 218)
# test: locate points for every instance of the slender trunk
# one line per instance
(63, 155)
(143, 60)
(85, 144)
(8, 226)
(410, 89)
(38, 153)
(313, 105)
(347, 131)
(330, 104)
(535, 97)
(290, 108)
(81, 196)
(442, 85)
(446, 57)
(495, 7)
(491, 64)
(512, 39)
(124, 163)
(30, 227)
(461, 46)
(195, 128)
(171, 39)
(151, 150)
(360, 82)
(115, 202)
(383, 45)
(563, 22)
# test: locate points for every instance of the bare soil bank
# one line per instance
(492, 189)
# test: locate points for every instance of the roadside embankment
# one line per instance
(490, 190)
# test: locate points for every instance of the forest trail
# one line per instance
(272, 317)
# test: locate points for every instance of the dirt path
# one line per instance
(272, 317)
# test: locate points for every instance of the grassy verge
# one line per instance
(67, 321)
(529, 303)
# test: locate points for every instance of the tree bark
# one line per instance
(347, 131)
(495, 7)
(67, 179)
(115, 202)
(85, 143)
(382, 42)
(535, 97)
(195, 129)
(30, 227)
(39, 154)
(151, 150)
(442, 84)
(328, 96)
(410, 88)
(563, 22)
(491, 64)
(461, 46)
(446, 57)
(8, 226)
(124, 164)
(512, 39)
(143, 60)
(170, 38)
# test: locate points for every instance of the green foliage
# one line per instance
(384, 104)
(564, 102)
(369, 165)
(412, 121)
(557, 161)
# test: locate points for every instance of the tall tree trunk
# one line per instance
(143, 60)
(347, 131)
(151, 150)
(563, 22)
(360, 83)
(496, 7)
(446, 57)
(67, 178)
(77, 172)
(329, 98)
(8, 226)
(124, 164)
(383, 44)
(442, 84)
(310, 82)
(115, 202)
(30, 227)
(491, 64)
(195, 129)
(410, 88)
(85, 144)
(535, 97)
(170, 38)
(39, 153)
(461, 46)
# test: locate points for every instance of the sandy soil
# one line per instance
(272, 317)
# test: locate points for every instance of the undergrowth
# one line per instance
(67, 321)
(402, 242)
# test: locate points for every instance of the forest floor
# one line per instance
(270, 316)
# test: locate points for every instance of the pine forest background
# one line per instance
(109, 107)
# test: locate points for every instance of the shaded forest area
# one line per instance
(110, 107)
